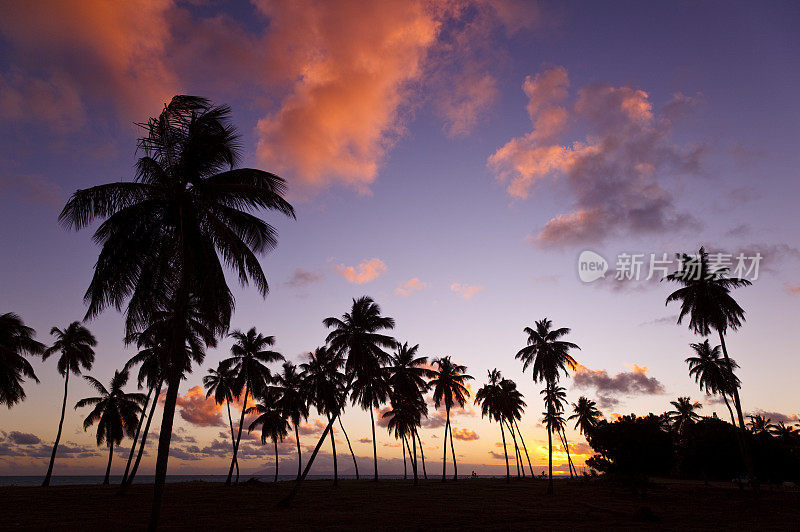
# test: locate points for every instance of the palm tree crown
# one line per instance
(548, 355)
(448, 383)
(586, 415)
(75, 343)
(684, 414)
(16, 341)
(711, 371)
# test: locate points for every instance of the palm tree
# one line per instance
(759, 424)
(404, 417)
(785, 433)
(549, 356)
(75, 343)
(488, 396)
(16, 341)
(164, 233)
(555, 397)
(221, 382)
(513, 407)
(554, 421)
(325, 384)
(713, 373)
(586, 416)
(449, 388)
(272, 421)
(684, 414)
(115, 412)
(249, 356)
(370, 392)
(293, 401)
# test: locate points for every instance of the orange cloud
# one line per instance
(366, 271)
(199, 410)
(409, 287)
(466, 291)
(465, 434)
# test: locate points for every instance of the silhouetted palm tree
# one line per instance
(75, 343)
(759, 424)
(449, 388)
(554, 421)
(513, 408)
(16, 341)
(586, 416)
(713, 373)
(115, 413)
(248, 363)
(370, 392)
(785, 433)
(272, 421)
(325, 384)
(405, 416)
(706, 298)
(221, 382)
(684, 414)
(164, 233)
(488, 396)
(549, 356)
(555, 397)
(293, 402)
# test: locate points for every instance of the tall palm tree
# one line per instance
(548, 355)
(115, 412)
(713, 373)
(684, 414)
(705, 296)
(489, 398)
(221, 383)
(164, 232)
(449, 388)
(405, 415)
(248, 363)
(586, 416)
(554, 421)
(513, 408)
(293, 402)
(555, 397)
(76, 345)
(325, 384)
(271, 419)
(370, 392)
(16, 341)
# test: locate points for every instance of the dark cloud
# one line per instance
(609, 388)
(775, 417)
(23, 438)
(302, 278)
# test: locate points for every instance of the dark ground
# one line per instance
(395, 504)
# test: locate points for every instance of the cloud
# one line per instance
(199, 410)
(793, 288)
(34, 189)
(774, 417)
(465, 434)
(368, 270)
(609, 388)
(409, 287)
(23, 438)
(384, 421)
(365, 440)
(466, 291)
(666, 320)
(614, 175)
(302, 277)
(315, 426)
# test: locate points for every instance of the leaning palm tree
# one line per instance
(548, 355)
(488, 397)
(586, 416)
(684, 415)
(248, 363)
(713, 373)
(115, 412)
(164, 233)
(16, 341)
(325, 384)
(705, 296)
(272, 421)
(293, 402)
(76, 345)
(221, 383)
(449, 388)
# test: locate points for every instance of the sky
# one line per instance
(450, 159)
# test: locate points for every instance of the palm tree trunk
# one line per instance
(505, 451)
(58, 434)
(239, 437)
(136, 436)
(452, 449)
(374, 443)
(129, 481)
(516, 449)
(355, 463)
(333, 446)
(276, 459)
(413, 456)
(550, 451)
(405, 468)
(108, 467)
(569, 458)
(444, 446)
(233, 437)
(748, 461)
(730, 411)
(297, 439)
(164, 438)
(524, 447)
(422, 454)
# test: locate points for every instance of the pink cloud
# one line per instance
(409, 287)
(465, 434)
(366, 271)
(199, 410)
(466, 291)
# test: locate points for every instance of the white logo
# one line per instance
(591, 266)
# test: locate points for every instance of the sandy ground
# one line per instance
(390, 504)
